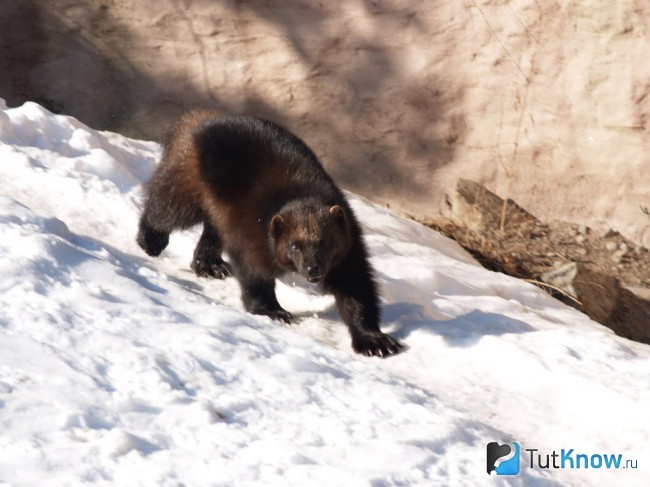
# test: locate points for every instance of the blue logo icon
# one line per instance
(503, 459)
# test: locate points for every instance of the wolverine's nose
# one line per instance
(314, 273)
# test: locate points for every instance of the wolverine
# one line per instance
(265, 200)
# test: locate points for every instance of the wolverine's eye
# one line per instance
(295, 247)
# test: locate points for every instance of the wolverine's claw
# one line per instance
(376, 345)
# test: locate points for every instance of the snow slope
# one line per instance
(120, 369)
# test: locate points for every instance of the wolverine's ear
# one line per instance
(341, 217)
(338, 212)
(277, 224)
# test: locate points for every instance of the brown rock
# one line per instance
(481, 209)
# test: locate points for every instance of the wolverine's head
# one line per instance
(310, 239)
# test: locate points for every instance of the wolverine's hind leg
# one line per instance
(167, 207)
(151, 240)
(207, 261)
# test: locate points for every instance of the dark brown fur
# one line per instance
(265, 200)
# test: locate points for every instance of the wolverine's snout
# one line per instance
(314, 273)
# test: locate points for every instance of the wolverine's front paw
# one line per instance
(376, 345)
(281, 315)
(278, 314)
(217, 269)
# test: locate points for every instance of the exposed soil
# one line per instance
(604, 275)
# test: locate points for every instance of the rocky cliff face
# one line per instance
(544, 102)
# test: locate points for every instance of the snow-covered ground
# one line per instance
(116, 368)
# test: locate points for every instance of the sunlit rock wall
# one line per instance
(545, 102)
